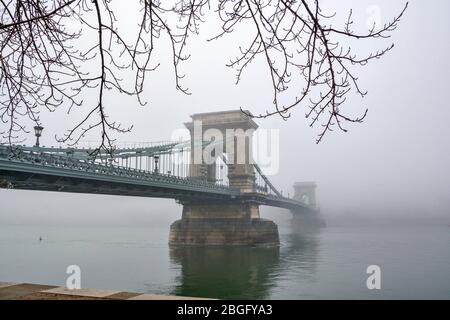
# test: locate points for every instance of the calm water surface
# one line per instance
(330, 263)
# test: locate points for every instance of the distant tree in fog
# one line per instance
(53, 51)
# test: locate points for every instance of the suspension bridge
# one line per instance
(220, 198)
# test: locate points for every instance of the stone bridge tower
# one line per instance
(306, 192)
(227, 133)
(309, 217)
(227, 220)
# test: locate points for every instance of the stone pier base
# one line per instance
(258, 232)
(309, 220)
(223, 224)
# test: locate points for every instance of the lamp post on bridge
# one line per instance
(221, 180)
(156, 164)
(38, 132)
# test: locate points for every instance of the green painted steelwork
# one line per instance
(28, 166)
(85, 153)
(23, 160)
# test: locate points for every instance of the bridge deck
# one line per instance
(25, 169)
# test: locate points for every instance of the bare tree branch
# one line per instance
(46, 64)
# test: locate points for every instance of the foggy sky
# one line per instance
(395, 163)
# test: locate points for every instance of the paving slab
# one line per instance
(147, 296)
(22, 289)
(54, 296)
(82, 292)
(123, 295)
(7, 284)
(28, 291)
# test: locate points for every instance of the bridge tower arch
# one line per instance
(214, 134)
(227, 220)
(306, 192)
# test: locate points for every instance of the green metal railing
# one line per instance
(13, 156)
(34, 160)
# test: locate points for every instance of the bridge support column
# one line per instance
(222, 223)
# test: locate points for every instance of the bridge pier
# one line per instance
(305, 192)
(222, 223)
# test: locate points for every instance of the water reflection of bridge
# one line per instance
(245, 272)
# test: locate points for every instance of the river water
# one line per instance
(329, 263)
